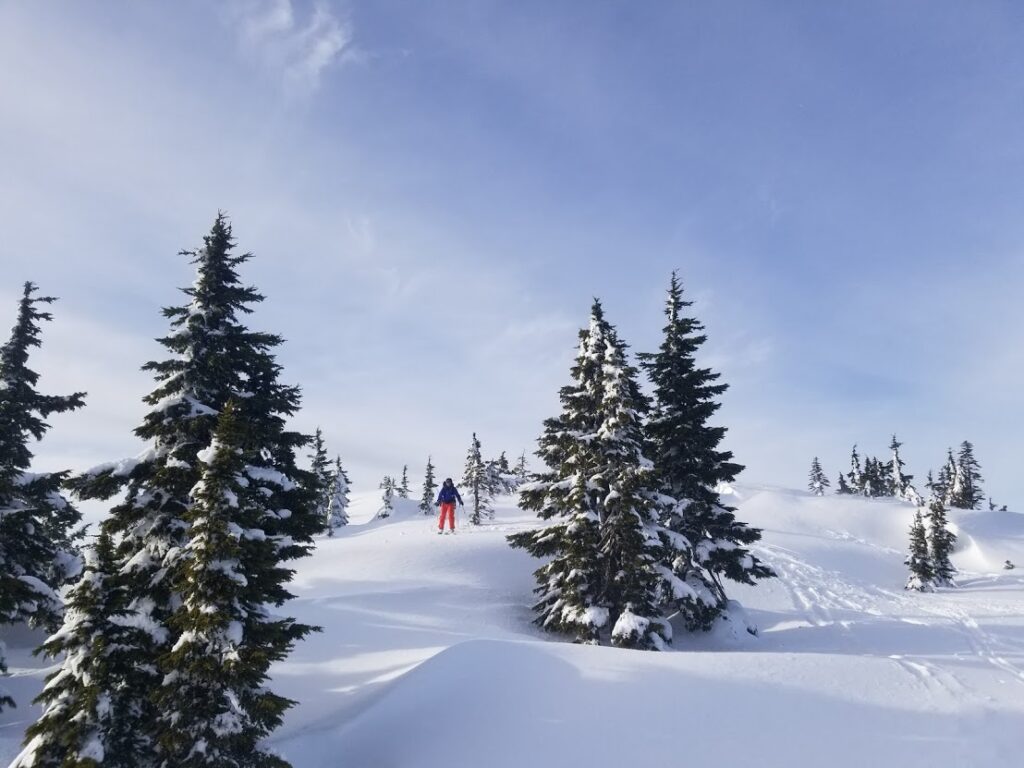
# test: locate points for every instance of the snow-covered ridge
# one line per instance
(429, 658)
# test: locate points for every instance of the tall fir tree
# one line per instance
(632, 545)
(337, 507)
(569, 585)
(38, 553)
(429, 488)
(215, 707)
(817, 482)
(403, 485)
(318, 479)
(89, 717)
(603, 579)
(712, 543)
(966, 492)
(941, 541)
(919, 559)
(478, 483)
(214, 359)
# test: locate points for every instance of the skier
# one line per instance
(446, 500)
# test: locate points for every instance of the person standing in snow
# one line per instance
(446, 500)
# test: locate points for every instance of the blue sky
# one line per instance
(435, 191)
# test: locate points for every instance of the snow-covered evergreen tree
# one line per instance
(337, 507)
(871, 478)
(503, 465)
(37, 542)
(855, 477)
(842, 487)
(403, 485)
(569, 584)
(902, 483)
(500, 481)
(214, 359)
(604, 578)
(945, 480)
(966, 492)
(87, 719)
(317, 481)
(429, 488)
(709, 544)
(919, 560)
(940, 543)
(817, 482)
(215, 707)
(387, 497)
(632, 547)
(477, 482)
(521, 470)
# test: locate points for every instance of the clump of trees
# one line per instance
(639, 534)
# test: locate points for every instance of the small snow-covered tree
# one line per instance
(708, 545)
(521, 469)
(871, 478)
(966, 492)
(403, 485)
(38, 554)
(500, 481)
(945, 480)
(902, 483)
(88, 720)
(842, 487)
(429, 488)
(337, 507)
(929, 484)
(941, 541)
(317, 481)
(478, 483)
(817, 482)
(387, 497)
(855, 477)
(919, 560)
(503, 465)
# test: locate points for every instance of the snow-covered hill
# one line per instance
(428, 656)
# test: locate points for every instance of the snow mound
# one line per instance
(521, 704)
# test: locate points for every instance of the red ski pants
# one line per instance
(449, 510)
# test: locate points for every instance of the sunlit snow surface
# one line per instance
(428, 657)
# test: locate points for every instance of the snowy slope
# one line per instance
(428, 657)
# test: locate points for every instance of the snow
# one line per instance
(124, 467)
(429, 657)
(262, 474)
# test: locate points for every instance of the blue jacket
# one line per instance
(448, 495)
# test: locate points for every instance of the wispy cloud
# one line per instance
(295, 42)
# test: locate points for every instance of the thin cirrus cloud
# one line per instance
(294, 42)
